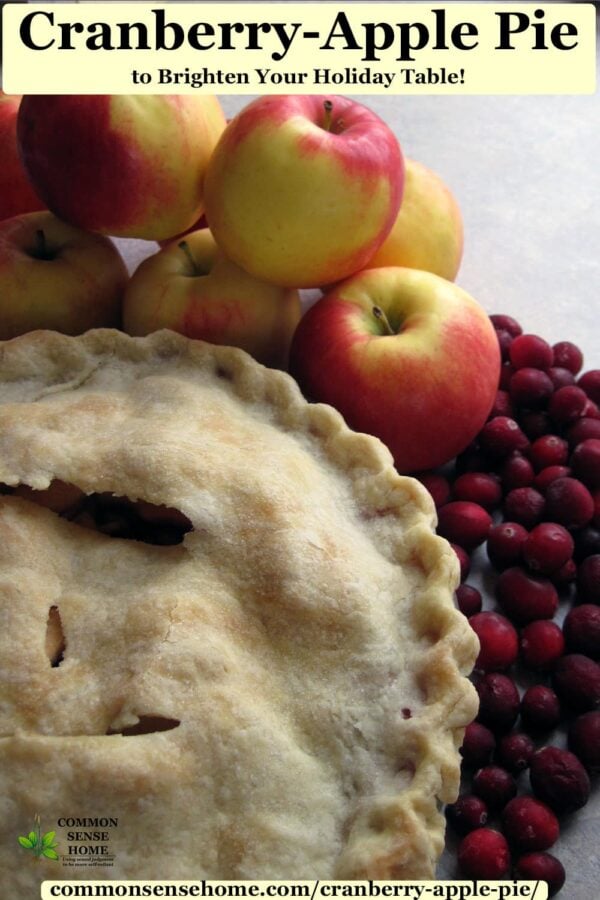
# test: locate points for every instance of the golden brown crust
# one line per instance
(303, 635)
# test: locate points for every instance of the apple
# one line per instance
(404, 355)
(16, 193)
(129, 166)
(428, 231)
(301, 190)
(53, 275)
(192, 288)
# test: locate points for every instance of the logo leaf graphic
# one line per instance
(50, 853)
(25, 842)
(32, 837)
(48, 838)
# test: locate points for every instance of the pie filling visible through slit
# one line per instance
(227, 622)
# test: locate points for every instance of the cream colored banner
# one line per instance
(366, 48)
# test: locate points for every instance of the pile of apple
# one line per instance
(299, 192)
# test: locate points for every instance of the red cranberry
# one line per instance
(576, 680)
(584, 740)
(464, 561)
(567, 404)
(469, 812)
(585, 462)
(498, 641)
(545, 478)
(502, 322)
(584, 429)
(505, 544)
(478, 745)
(540, 708)
(494, 785)
(483, 854)
(498, 701)
(514, 751)
(502, 405)
(535, 423)
(516, 472)
(504, 341)
(478, 487)
(468, 600)
(588, 579)
(591, 410)
(548, 547)
(530, 388)
(501, 436)
(542, 643)
(542, 867)
(569, 503)
(560, 377)
(529, 824)
(437, 485)
(559, 779)
(582, 630)
(548, 450)
(507, 370)
(525, 597)
(568, 356)
(464, 523)
(529, 350)
(590, 383)
(524, 505)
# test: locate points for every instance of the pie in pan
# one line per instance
(280, 693)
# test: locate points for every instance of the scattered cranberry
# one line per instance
(498, 701)
(582, 430)
(590, 383)
(468, 813)
(468, 600)
(548, 547)
(484, 854)
(464, 561)
(505, 544)
(501, 436)
(569, 503)
(502, 322)
(530, 388)
(529, 824)
(535, 423)
(499, 643)
(591, 410)
(529, 350)
(548, 450)
(542, 867)
(478, 745)
(516, 472)
(540, 709)
(525, 597)
(582, 630)
(585, 462)
(464, 523)
(560, 377)
(567, 404)
(495, 786)
(588, 579)
(559, 779)
(514, 751)
(437, 485)
(545, 478)
(502, 405)
(568, 356)
(584, 740)
(576, 680)
(542, 643)
(525, 506)
(479, 487)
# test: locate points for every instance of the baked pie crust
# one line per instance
(301, 643)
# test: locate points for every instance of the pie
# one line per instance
(272, 682)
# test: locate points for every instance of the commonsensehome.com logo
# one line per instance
(83, 841)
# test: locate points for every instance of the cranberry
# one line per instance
(569, 503)
(529, 350)
(567, 404)
(505, 544)
(524, 505)
(468, 600)
(548, 450)
(500, 436)
(478, 745)
(483, 854)
(502, 322)
(542, 867)
(529, 824)
(495, 786)
(559, 779)
(585, 462)
(524, 597)
(590, 383)
(530, 388)
(588, 579)
(479, 487)
(542, 643)
(548, 547)
(498, 641)
(502, 405)
(545, 478)
(514, 751)
(469, 812)
(560, 377)
(504, 341)
(568, 356)
(582, 430)
(464, 561)
(516, 472)
(464, 523)
(582, 630)
(437, 485)
(591, 410)
(576, 680)
(498, 701)
(540, 708)
(535, 423)
(584, 740)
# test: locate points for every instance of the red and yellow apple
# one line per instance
(301, 190)
(53, 275)
(428, 232)
(404, 355)
(129, 166)
(16, 193)
(194, 289)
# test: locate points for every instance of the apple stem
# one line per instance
(328, 107)
(183, 245)
(379, 314)
(41, 246)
